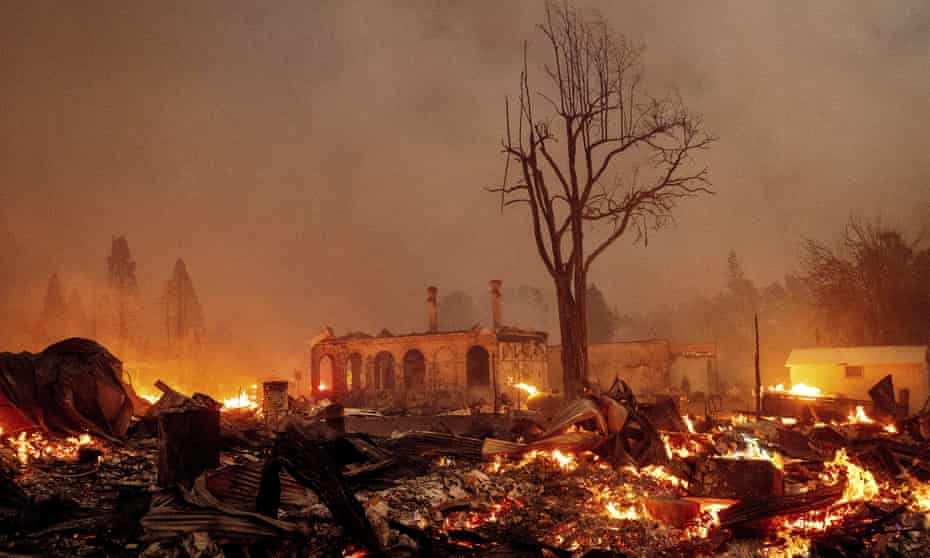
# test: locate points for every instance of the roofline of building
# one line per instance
(501, 331)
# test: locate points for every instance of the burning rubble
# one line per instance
(606, 475)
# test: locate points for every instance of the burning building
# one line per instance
(852, 371)
(449, 368)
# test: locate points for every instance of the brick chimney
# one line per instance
(433, 312)
(496, 302)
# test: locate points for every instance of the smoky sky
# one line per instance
(323, 162)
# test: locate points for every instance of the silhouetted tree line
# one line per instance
(871, 289)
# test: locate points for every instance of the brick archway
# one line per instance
(414, 369)
(477, 367)
(383, 376)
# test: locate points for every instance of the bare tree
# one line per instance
(602, 159)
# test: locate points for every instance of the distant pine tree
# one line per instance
(120, 308)
(54, 316)
(183, 315)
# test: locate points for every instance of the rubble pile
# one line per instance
(605, 475)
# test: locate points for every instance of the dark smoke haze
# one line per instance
(323, 162)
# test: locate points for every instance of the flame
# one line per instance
(813, 521)
(859, 417)
(531, 391)
(661, 474)
(920, 498)
(754, 450)
(321, 387)
(679, 448)
(629, 513)
(565, 461)
(149, 396)
(352, 552)
(794, 545)
(241, 401)
(709, 518)
(797, 389)
(35, 447)
(860, 483)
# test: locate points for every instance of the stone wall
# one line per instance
(442, 369)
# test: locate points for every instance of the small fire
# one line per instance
(859, 417)
(678, 448)
(793, 545)
(241, 401)
(754, 450)
(321, 387)
(148, 396)
(352, 552)
(920, 498)
(35, 447)
(531, 391)
(797, 389)
(860, 484)
(565, 461)
(629, 513)
(659, 473)
(709, 518)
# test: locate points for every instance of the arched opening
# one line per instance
(414, 370)
(477, 367)
(384, 371)
(327, 366)
(354, 374)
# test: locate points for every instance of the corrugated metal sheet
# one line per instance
(174, 515)
(888, 354)
(237, 486)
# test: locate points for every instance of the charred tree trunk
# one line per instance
(758, 371)
(574, 341)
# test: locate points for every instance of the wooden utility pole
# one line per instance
(758, 373)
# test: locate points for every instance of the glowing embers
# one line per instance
(708, 520)
(633, 512)
(35, 447)
(659, 474)
(800, 390)
(563, 460)
(474, 518)
(917, 496)
(683, 445)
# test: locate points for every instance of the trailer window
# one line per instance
(855, 371)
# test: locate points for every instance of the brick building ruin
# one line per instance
(440, 369)
(650, 366)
